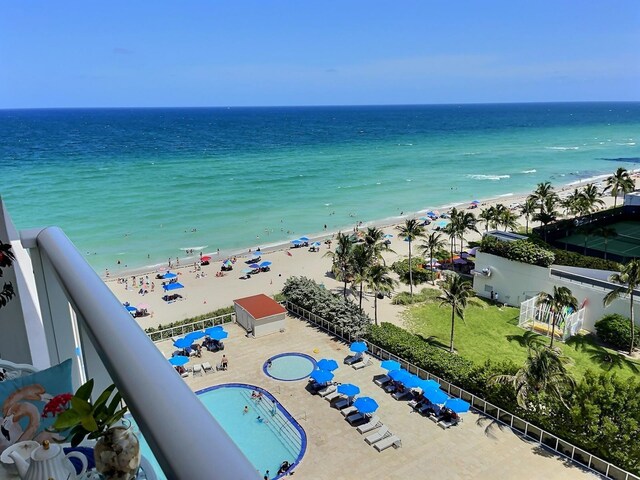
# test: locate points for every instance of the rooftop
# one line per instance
(260, 306)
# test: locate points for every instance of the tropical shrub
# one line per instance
(334, 308)
(519, 251)
(573, 259)
(615, 330)
(420, 274)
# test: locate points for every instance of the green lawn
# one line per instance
(491, 332)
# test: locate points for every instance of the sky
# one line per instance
(294, 52)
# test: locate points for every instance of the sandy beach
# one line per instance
(205, 293)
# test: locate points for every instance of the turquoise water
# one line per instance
(290, 366)
(142, 185)
(266, 445)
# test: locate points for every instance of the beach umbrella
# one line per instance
(179, 361)
(442, 223)
(436, 396)
(218, 334)
(348, 389)
(183, 343)
(457, 405)
(411, 381)
(475, 202)
(254, 266)
(304, 239)
(322, 376)
(316, 244)
(390, 365)
(169, 275)
(428, 385)
(459, 261)
(131, 308)
(162, 269)
(366, 405)
(265, 264)
(213, 329)
(247, 270)
(397, 374)
(473, 251)
(227, 263)
(193, 336)
(172, 286)
(404, 377)
(297, 242)
(327, 364)
(358, 347)
(388, 235)
(206, 258)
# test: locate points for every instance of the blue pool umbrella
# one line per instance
(366, 405)
(390, 365)
(411, 381)
(358, 347)
(404, 377)
(218, 334)
(131, 308)
(457, 405)
(297, 242)
(316, 244)
(183, 343)
(209, 330)
(195, 335)
(327, 364)
(304, 239)
(254, 266)
(169, 276)
(388, 235)
(436, 396)
(322, 376)
(172, 286)
(179, 361)
(428, 385)
(266, 263)
(348, 389)
(397, 374)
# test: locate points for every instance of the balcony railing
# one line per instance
(83, 320)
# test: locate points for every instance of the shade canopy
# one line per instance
(388, 235)
(366, 405)
(179, 361)
(172, 286)
(397, 374)
(390, 365)
(195, 335)
(348, 389)
(304, 239)
(209, 330)
(227, 263)
(316, 244)
(322, 376)
(358, 347)
(436, 396)
(219, 334)
(254, 266)
(475, 202)
(183, 343)
(428, 385)
(327, 364)
(131, 308)
(297, 242)
(206, 258)
(457, 405)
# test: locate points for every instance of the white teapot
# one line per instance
(48, 462)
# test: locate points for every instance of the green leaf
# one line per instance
(89, 423)
(102, 399)
(84, 392)
(66, 419)
(116, 416)
(115, 403)
(78, 437)
(81, 406)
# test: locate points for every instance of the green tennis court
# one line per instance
(625, 243)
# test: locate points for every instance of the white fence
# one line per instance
(539, 318)
(180, 330)
(518, 425)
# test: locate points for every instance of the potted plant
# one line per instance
(117, 450)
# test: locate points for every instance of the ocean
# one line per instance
(138, 186)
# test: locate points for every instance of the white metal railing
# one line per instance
(83, 320)
(179, 330)
(517, 424)
(538, 318)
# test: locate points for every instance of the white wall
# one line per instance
(516, 282)
(268, 325)
(243, 318)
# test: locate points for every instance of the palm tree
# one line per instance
(557, 301)
(590, 199)
(547, 213)
(509, 220)
(544, 371)
(620, 181)
(542, 192)
(411, 230)
(629, 280)
(360, 260)
(499, 213)
(528, 209)
(466, 221)
(374, 241)
(455, 293)
(434, 242)
(487, 216)
(379, 281)
(452, 232)
(606, 233)
(573, 203)
(342, 258)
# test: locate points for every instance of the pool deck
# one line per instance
(477, 448)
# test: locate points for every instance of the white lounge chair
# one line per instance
(342, 403)
(327, 390)
(355, 417)
(382, 380)
(197, 369)
(377, 436)
(332, 396)
(366, 361)
(206, 366)
(387, 442)
(348, 411)
(370, 425)
(400, 395)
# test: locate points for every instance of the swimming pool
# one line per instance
(289, 366)
(265, 444)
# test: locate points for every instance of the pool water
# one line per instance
(289, 366)
(265, 444)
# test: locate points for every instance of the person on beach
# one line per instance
(224, 362)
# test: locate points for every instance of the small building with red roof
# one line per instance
(260, 315)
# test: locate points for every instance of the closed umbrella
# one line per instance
(366, 405)
(327, 364)
(457, 405)
(322, 376)
(348, 389)
(390, 365)
(358, 347)
(179, 361)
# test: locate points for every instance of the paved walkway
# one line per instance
(477, 448)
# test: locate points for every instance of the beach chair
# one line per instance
(377, 436)
(197, 369)
(370, 425)
(387, 442)
(400, 395)
(332, 396)
(207, 368)
(383, 380)
(390, 388)
(327, 390)
(348, 411)
(355, 417)
(351, 359)
(366, 361)
(342, 403)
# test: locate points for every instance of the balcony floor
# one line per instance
(474, 449)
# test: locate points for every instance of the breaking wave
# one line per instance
(488, 177)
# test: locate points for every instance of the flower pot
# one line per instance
(117, 453)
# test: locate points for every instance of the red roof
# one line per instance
(260, 306)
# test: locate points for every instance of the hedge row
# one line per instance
(520, 251)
